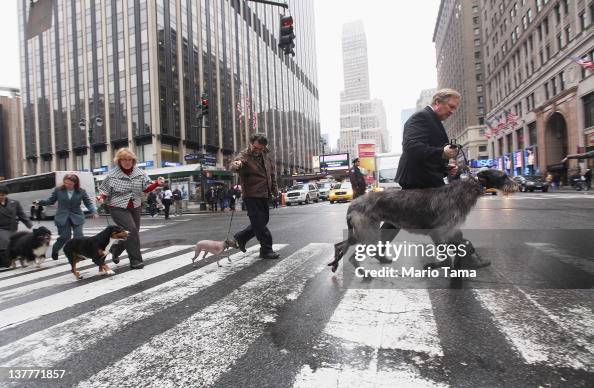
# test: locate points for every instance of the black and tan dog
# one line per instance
(95, 248)
(28, 246)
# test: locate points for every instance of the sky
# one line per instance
(399, 43)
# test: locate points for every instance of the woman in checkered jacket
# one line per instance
(123, 188)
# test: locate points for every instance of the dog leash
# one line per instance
(230, 222)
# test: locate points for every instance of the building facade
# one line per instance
(529, 46)
(11, 141)
(425, 98)
(142, 67)
(459, 53)
(361, 118)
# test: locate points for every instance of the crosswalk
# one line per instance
(173, 325)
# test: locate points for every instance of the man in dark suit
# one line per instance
(426, 151)
(357, 179)
(11, 212)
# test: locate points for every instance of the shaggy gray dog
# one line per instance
(437, 212)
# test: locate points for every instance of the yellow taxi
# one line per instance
(491, 191)
(341, 192)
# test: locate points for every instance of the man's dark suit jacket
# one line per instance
(421, 164)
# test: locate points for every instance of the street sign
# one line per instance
(191, 157)
(170, 164)
(148, 163)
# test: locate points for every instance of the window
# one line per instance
(589, 110)
(483, 148)
(548, 51)
(568, 36)
(525, 22)
(566, 6)
(546, 89)
(562, 81)
(475, 20)
(538, 5)
(529, 14)
(545, 24)
(477, 42)
(477, 55)
(477, 32)
(559, 42)
(475, 9)
(480, 99)
(558, 14)
(582, 17)
(553, 87)
(532, 133)
(479, 88)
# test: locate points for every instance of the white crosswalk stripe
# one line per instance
(204, 345)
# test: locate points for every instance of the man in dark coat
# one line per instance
(357, 179)
(424, 161)
(11, 212)
(258, 181)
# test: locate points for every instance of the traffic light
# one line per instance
(203, 107)
(286, 35)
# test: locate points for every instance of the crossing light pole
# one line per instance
(95, 122)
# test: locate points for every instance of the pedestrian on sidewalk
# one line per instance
(357, 179)
(122, 189)
(11, 212)
(152, 203)
(258, 181)
(177, 201)
(166, 199)
(69, 217)
(222, 197)
(211, 198)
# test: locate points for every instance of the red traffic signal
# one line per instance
(204, 102)
(286, 21)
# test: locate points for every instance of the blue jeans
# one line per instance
(65, 234)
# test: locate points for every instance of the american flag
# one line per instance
(584, 62)
(512, 118)
(490, 128)
(502, 125)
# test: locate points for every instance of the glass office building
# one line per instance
(141, 66)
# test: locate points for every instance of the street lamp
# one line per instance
(96, 122)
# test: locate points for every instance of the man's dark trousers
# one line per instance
(258, 212)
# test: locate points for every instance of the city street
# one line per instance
(527, 320)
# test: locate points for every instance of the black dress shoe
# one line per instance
(55, 255)
(269, 255)
(114, 257)
(240, 245)
(137, 266)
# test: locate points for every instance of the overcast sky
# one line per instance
(400, 48)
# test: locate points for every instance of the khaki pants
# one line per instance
(177, 207)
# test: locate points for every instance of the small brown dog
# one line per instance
(214, 247)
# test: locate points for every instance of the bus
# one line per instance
(27, 189)
(386, 165)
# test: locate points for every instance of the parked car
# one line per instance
(324, 189)
(531, 183)
(341, 192)
(302, 193)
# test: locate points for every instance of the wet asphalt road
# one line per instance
(527, 320)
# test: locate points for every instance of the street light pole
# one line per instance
(95, 121)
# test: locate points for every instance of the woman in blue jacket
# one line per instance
(69, 216)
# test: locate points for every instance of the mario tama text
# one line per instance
(412, 272)
(403, 250)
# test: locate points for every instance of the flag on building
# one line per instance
(502, 125)
(584, 62)
(512, 118)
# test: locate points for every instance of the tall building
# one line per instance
(360, 117)
(530, 74)
(459, 45)
(11, 141)
(143, 66)
(425, 98)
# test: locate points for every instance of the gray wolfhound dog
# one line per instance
(437, 212)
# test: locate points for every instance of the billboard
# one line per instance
(366, 151)
(334, 162)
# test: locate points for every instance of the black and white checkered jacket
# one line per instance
(119, 187)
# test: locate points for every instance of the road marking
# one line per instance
(583, 263)
(68, 278)
(380, 319)
(59, 301)
(55, 344)
(561, 338)
(197, 351)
